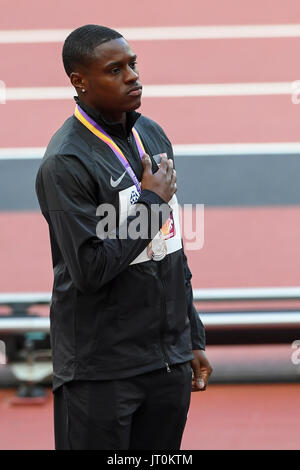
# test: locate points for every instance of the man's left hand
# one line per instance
(202, 370)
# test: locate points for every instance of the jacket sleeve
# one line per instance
(67, 194)
(197, 327)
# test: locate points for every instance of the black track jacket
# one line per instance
(114, 313)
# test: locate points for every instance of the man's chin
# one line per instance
(135, 105)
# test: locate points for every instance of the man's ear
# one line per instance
(77, 80)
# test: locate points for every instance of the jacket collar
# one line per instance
(112, 128)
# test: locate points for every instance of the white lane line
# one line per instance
(21, 153)
(163, 91)
(39, 93)
(161, 33)
(181, 150)
(218, 89)
(265, 148)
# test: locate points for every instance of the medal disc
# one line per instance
(157, 249)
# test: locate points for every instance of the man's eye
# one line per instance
(115, 71)
(133, 64)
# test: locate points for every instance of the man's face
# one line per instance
(111, 79)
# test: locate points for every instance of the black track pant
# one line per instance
(148, 411)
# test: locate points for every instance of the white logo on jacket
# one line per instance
(116, 183)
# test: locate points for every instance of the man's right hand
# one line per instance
(163, 182)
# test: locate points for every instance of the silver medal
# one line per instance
(157, 249)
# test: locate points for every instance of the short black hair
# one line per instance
(80, 44)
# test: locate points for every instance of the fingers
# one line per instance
(198, 382)
(167, 167)
(174, 180)
(198, 386)
(163, 163)
(147, 164)
(163, 182)
(201, 371)
(169, 172)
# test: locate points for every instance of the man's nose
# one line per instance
(131, 75)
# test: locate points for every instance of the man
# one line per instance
(124, 331)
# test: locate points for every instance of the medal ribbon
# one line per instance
(94, 127)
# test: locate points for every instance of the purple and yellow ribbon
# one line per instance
(168, 228)
(97, 130)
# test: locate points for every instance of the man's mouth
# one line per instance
(135, 91)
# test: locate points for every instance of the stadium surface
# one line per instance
(225, 417)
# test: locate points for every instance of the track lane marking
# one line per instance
(162, 33)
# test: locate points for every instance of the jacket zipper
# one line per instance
(131, 148)
(163, 286)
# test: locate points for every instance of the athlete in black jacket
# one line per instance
(124, 331)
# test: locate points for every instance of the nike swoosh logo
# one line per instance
(118, 181)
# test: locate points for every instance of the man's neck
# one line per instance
(120, 118)
(114, 117)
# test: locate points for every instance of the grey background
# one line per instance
(225, 180)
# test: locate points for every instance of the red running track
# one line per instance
(165, 62)
(196, 120)
(211, 119)
(58, 14)
(229, 417)
(241, 417)
(243, 247)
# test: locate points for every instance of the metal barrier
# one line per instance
(20, 322)
(256, 319)
(247, 293)
(27, 340)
